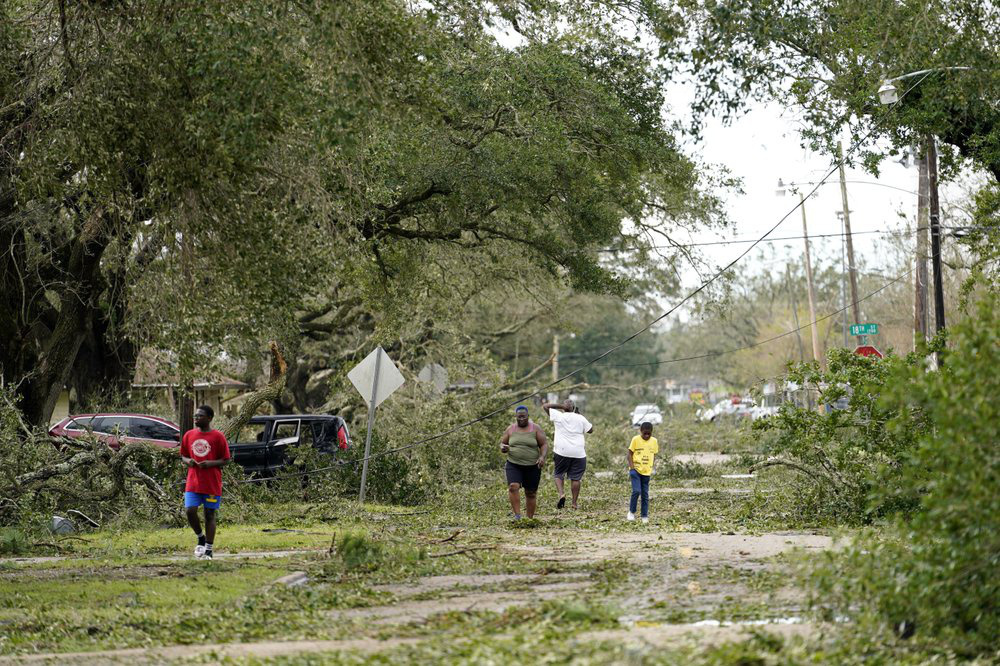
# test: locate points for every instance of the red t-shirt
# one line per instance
(198, 445)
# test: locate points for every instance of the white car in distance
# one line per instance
(643, 413)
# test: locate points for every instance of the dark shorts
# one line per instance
(527, 475)
(571, 467)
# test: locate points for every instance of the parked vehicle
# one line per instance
(735, 408)
(116, 429)
(644, 413)
(264, 445)
(764, 411)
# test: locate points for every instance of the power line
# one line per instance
(768, 340)
(740, 241)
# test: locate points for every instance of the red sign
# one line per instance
(868, 350)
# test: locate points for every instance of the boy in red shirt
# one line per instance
(204, 451)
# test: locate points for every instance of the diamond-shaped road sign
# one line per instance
(376, 378)
(363, 377)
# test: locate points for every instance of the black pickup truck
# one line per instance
(264, 444)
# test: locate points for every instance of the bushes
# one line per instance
(940, 570)
(844, 454)
(922, 449)
(393, 478)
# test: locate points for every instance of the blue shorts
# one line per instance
(201, 499)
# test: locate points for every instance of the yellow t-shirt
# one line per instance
(643, 451)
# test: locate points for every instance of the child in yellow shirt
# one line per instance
(640, 464)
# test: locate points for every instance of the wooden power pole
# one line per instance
(851, 270)
(812, 292)
(920, 269)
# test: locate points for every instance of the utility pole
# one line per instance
(554, 395)
(795, 312)
(843, 278)
(555, 358)
(920, 268)
(852, 272)
(809, 280)
(935, 220)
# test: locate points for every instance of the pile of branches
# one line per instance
(40, 474)
(88, 472)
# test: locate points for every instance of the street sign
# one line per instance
(436, 375)
(868, 350)
(363, 376)
(376, 378)
(864, 329)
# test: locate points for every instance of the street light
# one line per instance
(889, 94)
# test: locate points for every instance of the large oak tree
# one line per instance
(198, 177)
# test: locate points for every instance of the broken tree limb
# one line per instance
(453, 536)
(808, 471)
(59, 469)
(117, 467)
(268, 393)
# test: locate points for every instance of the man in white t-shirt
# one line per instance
(569, 448)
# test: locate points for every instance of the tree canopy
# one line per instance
(201, 177)
(828, 59)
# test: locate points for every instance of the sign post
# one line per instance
(376, 377)
(435, 375)
(368, 433)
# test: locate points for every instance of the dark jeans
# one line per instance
(640, 488)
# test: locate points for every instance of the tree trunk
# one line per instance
(55, 364)
(105, 364)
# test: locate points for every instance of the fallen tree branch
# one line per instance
(447, 539)
(59, 469)
(773, 462)
(151, 485)
(91, 521)
(462, 551)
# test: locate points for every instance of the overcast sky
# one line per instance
(763, 147)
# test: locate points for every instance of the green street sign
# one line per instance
(864, 329)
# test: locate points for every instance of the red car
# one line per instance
(118, 429)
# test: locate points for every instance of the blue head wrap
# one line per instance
(520, 408)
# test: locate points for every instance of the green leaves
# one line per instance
(937, 568)
(855, 444)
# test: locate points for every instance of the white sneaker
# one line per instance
(645, 521)
(199, 552)
(630, 516)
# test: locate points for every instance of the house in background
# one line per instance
(682, 391)
(159, 383)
